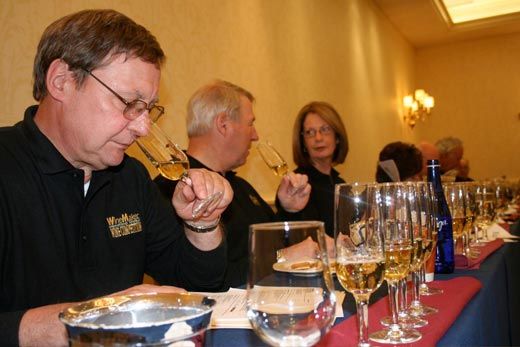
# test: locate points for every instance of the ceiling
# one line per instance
(422, 23)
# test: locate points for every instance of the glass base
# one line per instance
(421, 310)
(395, 336)
(427, 291)
(405, 321)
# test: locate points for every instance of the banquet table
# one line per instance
(491, 317)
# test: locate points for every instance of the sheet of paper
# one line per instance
(230, 310)
(496, 231)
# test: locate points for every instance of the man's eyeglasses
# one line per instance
(134, 108)
(323, 130)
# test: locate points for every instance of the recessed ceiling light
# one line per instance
(461, 11)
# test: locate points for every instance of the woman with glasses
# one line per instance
(319, 143)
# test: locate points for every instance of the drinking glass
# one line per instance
(272, 158)
(411, 316)
(172, 163)
(289, 303)
(430, 203)
(424, 242)
(398, 243)
(359, 246)
(454, 194)
(485, 198)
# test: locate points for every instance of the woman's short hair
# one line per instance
(331, 117)
(407, 158)
(211, 100)
(85, 39)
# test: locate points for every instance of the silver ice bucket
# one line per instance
(174, 319)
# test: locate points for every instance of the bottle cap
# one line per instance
(432, 163)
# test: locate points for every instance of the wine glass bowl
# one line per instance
(286, 305)
(272, 158)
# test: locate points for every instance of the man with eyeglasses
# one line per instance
(80, 219)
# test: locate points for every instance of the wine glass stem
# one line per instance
(362, 315)
(402, 295)
(416, 280)
(393, 297)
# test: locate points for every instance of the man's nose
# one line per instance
(141, 125)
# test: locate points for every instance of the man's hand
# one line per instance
(200, 184)
(294, 192)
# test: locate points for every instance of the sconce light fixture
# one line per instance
(417, 107)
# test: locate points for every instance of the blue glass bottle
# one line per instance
(445, 257)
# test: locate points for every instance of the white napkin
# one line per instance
(390, 169)
(496, 231)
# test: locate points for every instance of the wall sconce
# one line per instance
(417, 106)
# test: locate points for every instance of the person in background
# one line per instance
(399, 161)
(80, 219)
(463, 171)
(429, 152)
(451, 151)
(220, 125)
(319, 143)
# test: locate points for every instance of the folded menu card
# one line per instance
(230, 310)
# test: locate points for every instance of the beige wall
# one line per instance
(286, 52)
(476, 85)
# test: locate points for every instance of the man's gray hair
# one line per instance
(211, 100)
(447, 144)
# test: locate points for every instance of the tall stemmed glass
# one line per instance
(485, 197)
(420, 207)
(272, 158)
(455, 198)
(289, 303)
(172, 163)
(398, 238)
(430, 203)
(409, 316)
(359, 246)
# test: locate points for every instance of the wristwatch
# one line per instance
(204, 228)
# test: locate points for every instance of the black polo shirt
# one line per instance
(247, 208)
(57, 245)
(321, 202)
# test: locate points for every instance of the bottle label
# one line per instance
(445, 257)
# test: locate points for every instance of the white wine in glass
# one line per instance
(172, 163)
(272, 158)
(360, 259)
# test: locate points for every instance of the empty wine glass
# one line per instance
(359, 246)
(172, 163)
(398, 238)
(289, 303)
(272, 158)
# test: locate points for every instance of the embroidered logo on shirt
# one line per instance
(254, 200)
(125, 225)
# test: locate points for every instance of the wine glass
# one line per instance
(410, 316)
(398, 238)
(289, 303)
(424, 242)
(359, 246)
(454, 193)
(272, 158)
(430, 204)
(172, 163)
